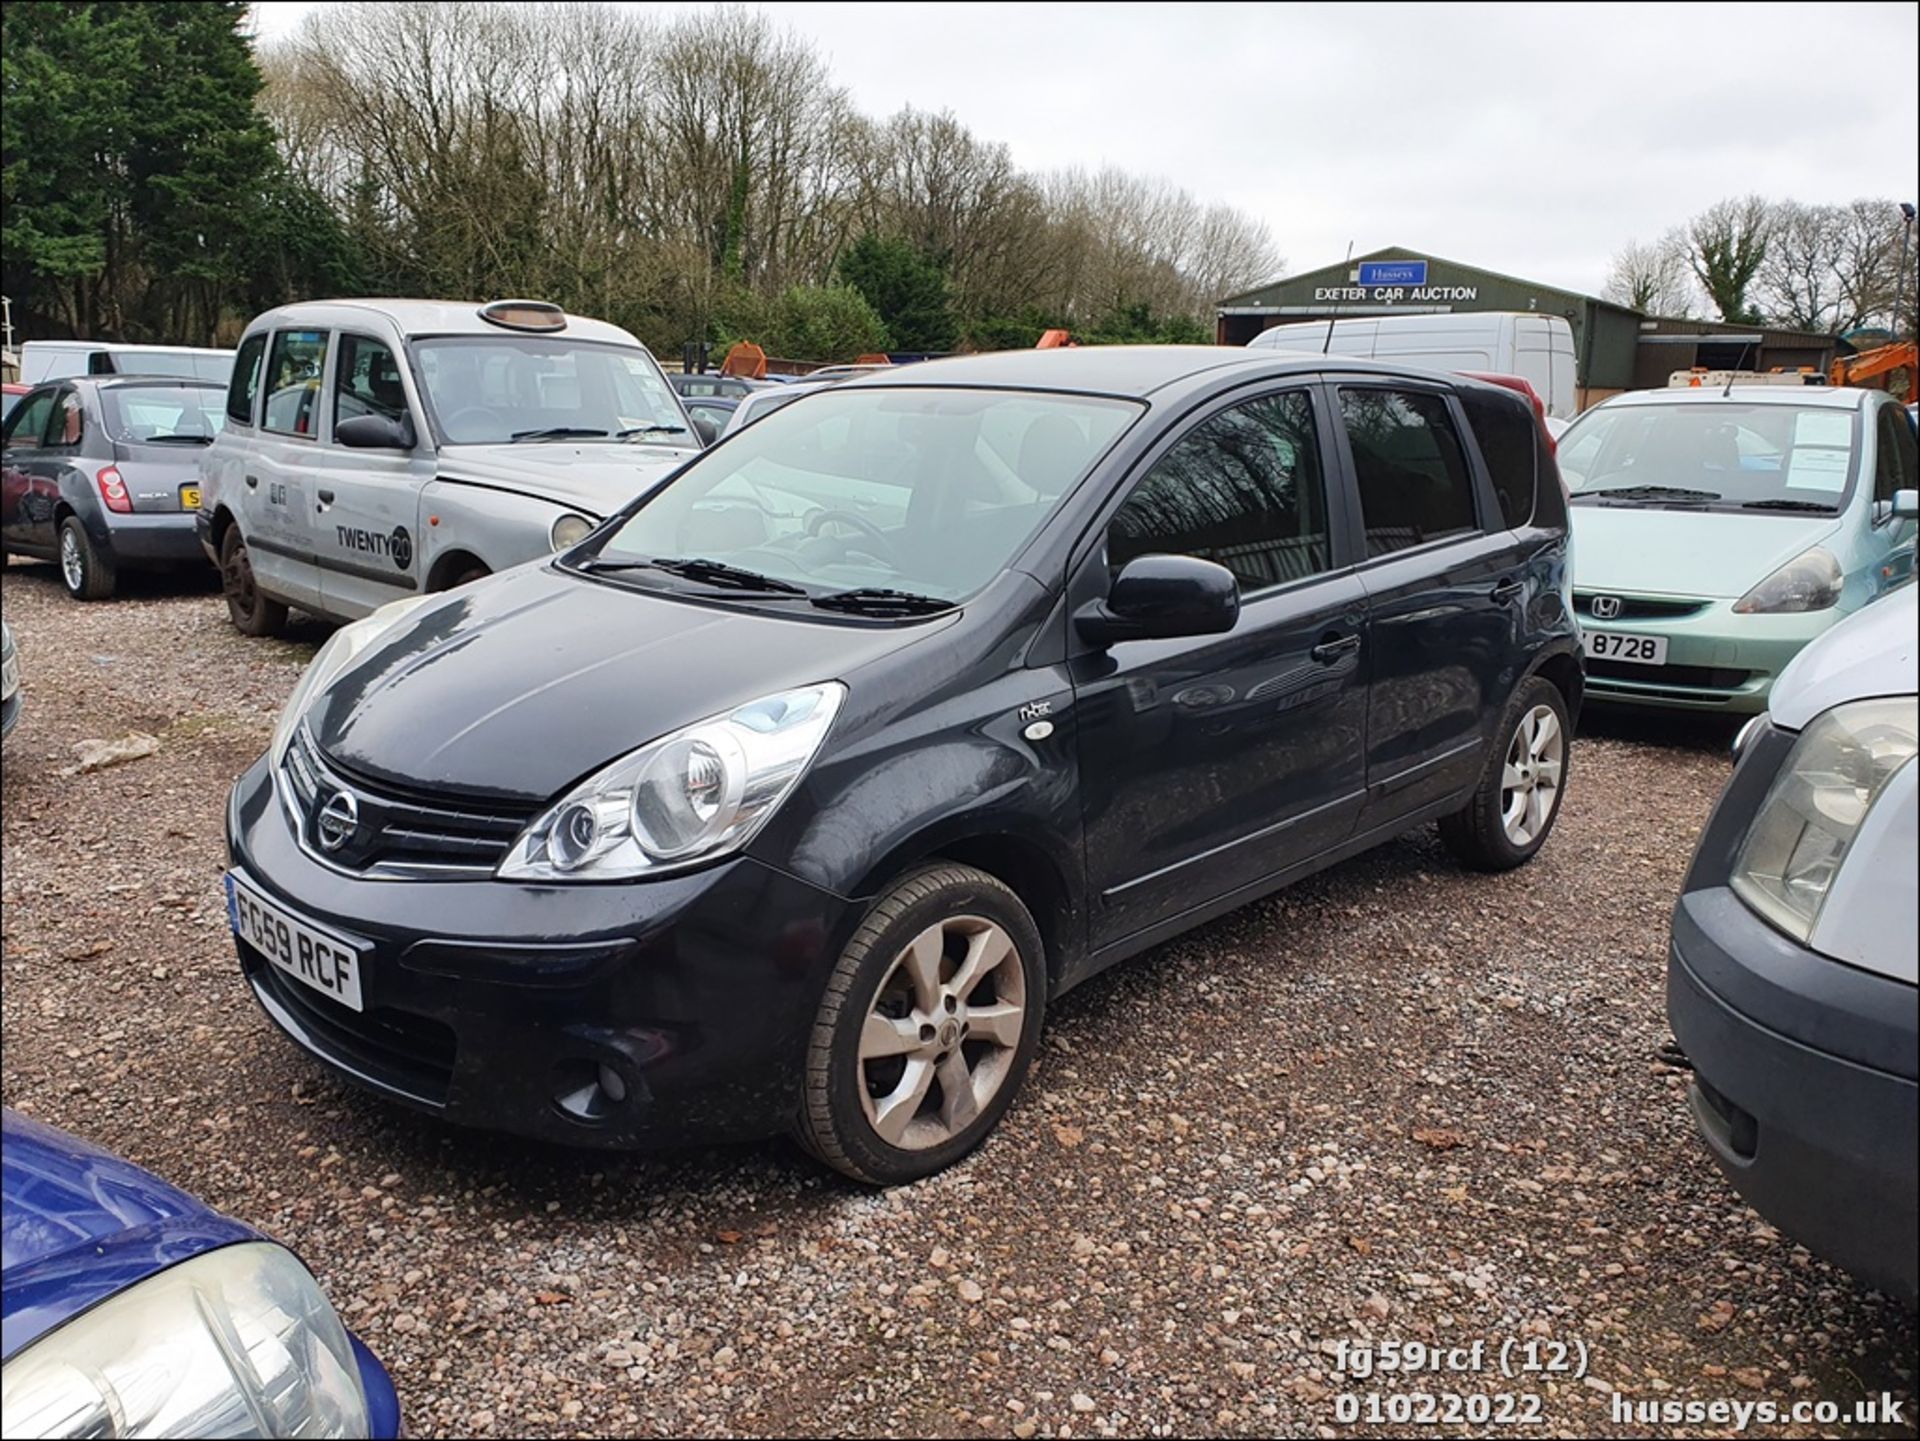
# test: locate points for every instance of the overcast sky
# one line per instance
(1530, 139)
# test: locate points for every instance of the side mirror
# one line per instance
(1906, 504)
(704, 427)
(376, 432)
(1159, 597)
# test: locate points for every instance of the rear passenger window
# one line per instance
(245, 384)
(1896, 458)
(1243, 489)
(294, 366)
(1412, 473)
(367, 381)
(1508, 436)
(28, 423)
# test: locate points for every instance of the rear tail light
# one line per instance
(113, 490)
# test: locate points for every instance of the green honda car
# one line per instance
(1716, 532)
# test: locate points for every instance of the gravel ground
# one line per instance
(1398, 1102)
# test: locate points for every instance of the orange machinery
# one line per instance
(1897, 362)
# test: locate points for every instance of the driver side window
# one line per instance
(1895, 456)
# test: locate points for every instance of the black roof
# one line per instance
(1133, 372)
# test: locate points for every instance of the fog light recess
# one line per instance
(589, 1091)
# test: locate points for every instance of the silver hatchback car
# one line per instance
(376, 449)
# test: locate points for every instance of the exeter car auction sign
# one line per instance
(1394, 280)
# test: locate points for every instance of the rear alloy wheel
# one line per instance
(86, 573)
(927, 1028)
(249, 610)
(1518, 797)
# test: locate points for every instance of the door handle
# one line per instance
(1507, 590)
(1334, 647)
(253, 482)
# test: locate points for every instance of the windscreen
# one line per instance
(488, 390)
(143, 414)
(1717, 454)
(929, 491)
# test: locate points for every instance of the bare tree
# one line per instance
(1654, 278)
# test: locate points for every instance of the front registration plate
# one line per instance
(1639, 649)
(313, 957)
(189, 497)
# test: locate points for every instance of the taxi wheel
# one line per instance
(927, 1027)
(250, 611)
(86, 573)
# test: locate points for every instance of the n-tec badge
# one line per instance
(1033, 710)
(339, 818)
(1606, 607)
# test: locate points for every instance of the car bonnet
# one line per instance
(596, 479)
(78, 1224)
(1870, 653)
(1712, 554)
(515, 688)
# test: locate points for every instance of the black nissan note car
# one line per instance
(790, 797)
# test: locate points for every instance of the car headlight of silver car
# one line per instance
(234, 1342)
(698, 793)
(343, 648)
(1812, 580)
(1800, 836)
(569, 531)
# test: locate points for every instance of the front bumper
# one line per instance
(1805, 1084)
(498, 1004)
(1716, 660)
(157, 538)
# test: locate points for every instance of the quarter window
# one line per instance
(69, 421)
(1896, 457)
(245, 383)
(367, 381)
(294, 367)
(1412, 473)
(1243, 489)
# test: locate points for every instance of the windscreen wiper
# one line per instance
(705, 572)
(1813, 505)
(874, 600)
(556, 432)
(631, 431)
(1651, 492)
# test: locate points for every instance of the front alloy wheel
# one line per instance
(926, 1029)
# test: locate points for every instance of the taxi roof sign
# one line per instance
(525, 315)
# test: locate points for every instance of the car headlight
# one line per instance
(689, 796)
(1831, 778)
(569, 531)
(1810, 581)
(235, 1342)
(343, 648)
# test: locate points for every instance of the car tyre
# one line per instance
(249, 610)
(87, 572)
(926, 1029)
(1518, 798)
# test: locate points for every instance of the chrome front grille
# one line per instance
(1633, 607)
(393, 833)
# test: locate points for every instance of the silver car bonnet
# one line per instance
(1870, 653)
(593, 478)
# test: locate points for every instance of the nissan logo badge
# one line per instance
(338, 820)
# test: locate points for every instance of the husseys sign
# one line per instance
(1394, 280)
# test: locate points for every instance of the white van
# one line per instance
(375, 449)
(1538, 348)
(44, 360)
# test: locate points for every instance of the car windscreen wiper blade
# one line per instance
(874, 600)
(1651, 492)
(1813, 505)
(631, 431)
(705, 572)
(556, 432)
